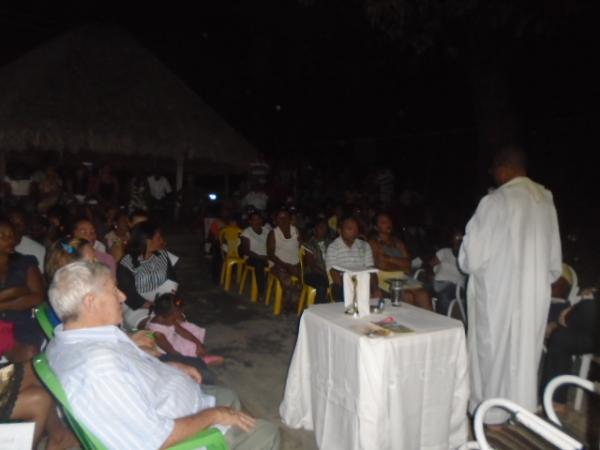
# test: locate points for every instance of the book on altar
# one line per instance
(391, 325)
(357, 282)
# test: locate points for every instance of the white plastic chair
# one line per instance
(584, 371)
(520, 415)
(458, 302)
(418, 272)
(415, 275)
(559, 381)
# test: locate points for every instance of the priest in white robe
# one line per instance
(512, 253)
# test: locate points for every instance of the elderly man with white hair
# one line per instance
(127, 398)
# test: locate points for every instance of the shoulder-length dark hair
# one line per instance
(138, 240)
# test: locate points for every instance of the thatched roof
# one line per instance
(97, 89)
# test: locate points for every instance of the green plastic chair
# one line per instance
(42, 314)
(212, 438)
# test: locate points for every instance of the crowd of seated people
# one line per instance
(94, 217)
(573, 322)
(360, 237)
(280, 248)
(62, 222)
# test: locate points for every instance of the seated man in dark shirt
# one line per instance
(576, 333)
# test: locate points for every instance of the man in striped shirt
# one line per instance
(349, 252)
(127, 398)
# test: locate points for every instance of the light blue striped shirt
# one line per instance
(357, 257)
(126, 397)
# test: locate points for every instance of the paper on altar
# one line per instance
(167, 287)
(363, 289)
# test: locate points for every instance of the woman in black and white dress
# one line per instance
(144, 268)
(144, 271)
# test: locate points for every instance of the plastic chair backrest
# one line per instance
(302, 255)
(50, 380)
(559, 381)
(460, 302)
(573, 296)
(212, 438)
(461, 306)
(417, 273)
(42, 315)
(528, 420)
(230, 235)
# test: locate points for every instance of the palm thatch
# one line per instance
(98, 90)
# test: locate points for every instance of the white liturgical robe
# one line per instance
(511, 250)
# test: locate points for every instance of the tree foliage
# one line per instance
(424, 24)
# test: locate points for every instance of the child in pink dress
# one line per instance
(174, 334)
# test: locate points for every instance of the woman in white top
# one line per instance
(283, 251)
(254, 246)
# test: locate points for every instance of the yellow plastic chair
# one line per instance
(273, 281)
(330, 288)
(308, 296)
(230, 236)
(308, 293)
(248, 269)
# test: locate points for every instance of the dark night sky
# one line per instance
(283, 72)
(313, 75)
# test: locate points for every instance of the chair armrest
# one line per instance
(555, 383)
(42, 313)
(212, 439)
(529, 420)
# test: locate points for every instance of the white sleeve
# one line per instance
(555, 248)
(477, 244)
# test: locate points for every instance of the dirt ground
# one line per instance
(257, 346)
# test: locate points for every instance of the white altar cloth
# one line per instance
(406, 391)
